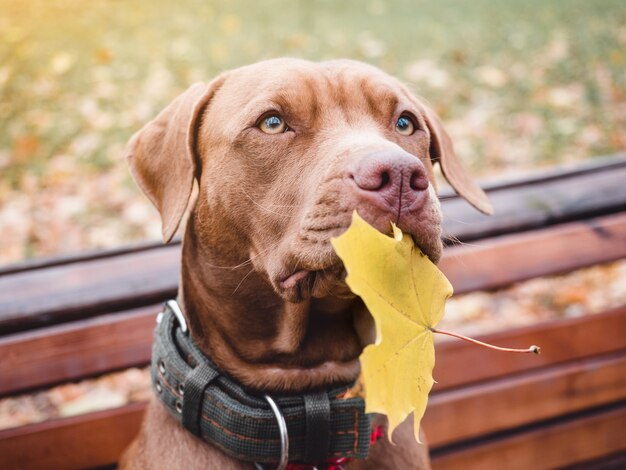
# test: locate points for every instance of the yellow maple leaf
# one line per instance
(405, 293)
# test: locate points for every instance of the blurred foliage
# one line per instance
(519, 84)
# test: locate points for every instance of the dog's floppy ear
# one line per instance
(442, 151)
(162, 155)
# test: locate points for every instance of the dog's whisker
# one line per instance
(453, 240)
(241, 282)
(246, 262)
(265, 208)
(455, 255)
(464, 222)
(255, 256)
(461, 260)
(282, 205)
(237, 266)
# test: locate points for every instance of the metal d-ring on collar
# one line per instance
(284, 436)
(174, 307)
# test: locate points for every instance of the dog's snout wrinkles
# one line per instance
(391, 176)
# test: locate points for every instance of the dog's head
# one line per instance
(283, 152)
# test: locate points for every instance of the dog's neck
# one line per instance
(257, 337)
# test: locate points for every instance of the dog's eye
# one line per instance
(405, 125)
(273, 124)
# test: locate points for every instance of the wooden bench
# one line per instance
(75, 317)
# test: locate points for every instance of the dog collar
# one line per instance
(312, 428)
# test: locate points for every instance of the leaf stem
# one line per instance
(533, 349)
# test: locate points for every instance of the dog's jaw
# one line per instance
(259, 338)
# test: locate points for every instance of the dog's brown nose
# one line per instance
(391, 175)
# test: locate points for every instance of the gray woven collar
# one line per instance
(320, 425)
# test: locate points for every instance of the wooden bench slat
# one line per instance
(76, 350)
(98, 439)
(601, 164)
(45, 262)
(615, 461)
(553, 445)
(459, 363)
(95, 346)
(499, 262)
(529, 205)
(511, 402)
(85, 441)
(68, 292)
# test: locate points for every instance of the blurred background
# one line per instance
(519, 85)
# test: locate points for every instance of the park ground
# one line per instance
(520, 85)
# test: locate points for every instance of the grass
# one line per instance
(519, 85)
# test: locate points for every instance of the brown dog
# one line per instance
(283, 151)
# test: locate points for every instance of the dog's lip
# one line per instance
(296, 286)
(292, 280)
(304, 283)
